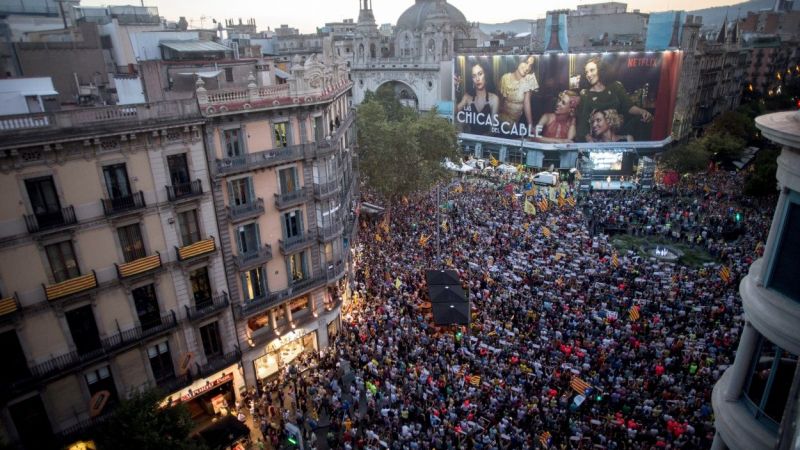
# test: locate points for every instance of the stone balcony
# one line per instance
(36, 127)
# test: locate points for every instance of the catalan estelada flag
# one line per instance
(545, 438)
(571, 201)
(633, 313)
(579, 386)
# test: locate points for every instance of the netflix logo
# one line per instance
(642, 62)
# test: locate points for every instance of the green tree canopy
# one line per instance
(139, 423)
(401, 151)
(686, 158)
(736, 124)
(723, 147)
(761, 181)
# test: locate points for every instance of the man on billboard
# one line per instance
(602, 95)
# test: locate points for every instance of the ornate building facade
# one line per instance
(417, 59)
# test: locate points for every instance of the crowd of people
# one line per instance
(554, 356)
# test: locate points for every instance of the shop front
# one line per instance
(283, 351)
(208, 400)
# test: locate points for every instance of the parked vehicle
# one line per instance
(546, 178)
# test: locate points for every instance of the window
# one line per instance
(785, 270)
(297, 266)
(515, 156)
(161, 362)
(288, 180)
(248, 238)
(44, 201)
(319, 128)
(281, 136)
(233, 142)
(178, 169)
(209, 334)
(329, 252)
(229, 74)
(769, 381)
(299, 304)
(62, 261)
(101, 380)
(130, 239)
(201, 287)
(241, 191)
(144, 298)
(292, 224)
(83, 329)
(33, 426)
(254, 283)
(116, 177)
(190, 231)
(15, 365)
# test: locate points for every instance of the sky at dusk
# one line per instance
(307, 15)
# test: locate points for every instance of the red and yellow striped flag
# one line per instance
(423, 240)
(546, 232)
(378, 238)
(542, 204)
(561, 202)
(615, 260)
(544, 439)
(725, 274)
(579, 386)
(633, 313)
(475, 380)
(571, 201)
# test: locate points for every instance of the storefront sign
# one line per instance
(194, 392)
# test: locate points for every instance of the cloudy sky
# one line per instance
(309, 14)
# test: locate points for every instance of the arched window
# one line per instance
(372, 50)
(445, 49)
(431, 47)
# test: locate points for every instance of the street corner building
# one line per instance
(196, 245)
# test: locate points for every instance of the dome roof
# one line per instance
(414, 17)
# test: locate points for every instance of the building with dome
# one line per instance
(417, 59)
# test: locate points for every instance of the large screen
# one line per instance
(558, 101)
(606, 161)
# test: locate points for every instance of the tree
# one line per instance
(401, 151)
(686, 158)
(761, 181)
(139, 423)
(736, 124)
(723, 147)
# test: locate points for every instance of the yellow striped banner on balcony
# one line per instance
(71, 286)
(138, 266)
(8, 306)
(197, 249)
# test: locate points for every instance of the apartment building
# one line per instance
(110, 271)
(281, 159)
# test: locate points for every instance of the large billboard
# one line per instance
(568, 101)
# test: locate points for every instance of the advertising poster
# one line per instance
(568, 101)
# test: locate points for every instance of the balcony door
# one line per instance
(33, 426)
(44, 200)
(241, 191)
(201, 287)
(233, 142)
(178, 173)
(248, 239)
(116, 177)
(144, 298)
(83, 328)
(288, 180)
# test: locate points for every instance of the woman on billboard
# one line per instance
(516, 88)
(480, 102)
(604, 126)
(602, 96)
(559, 126)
